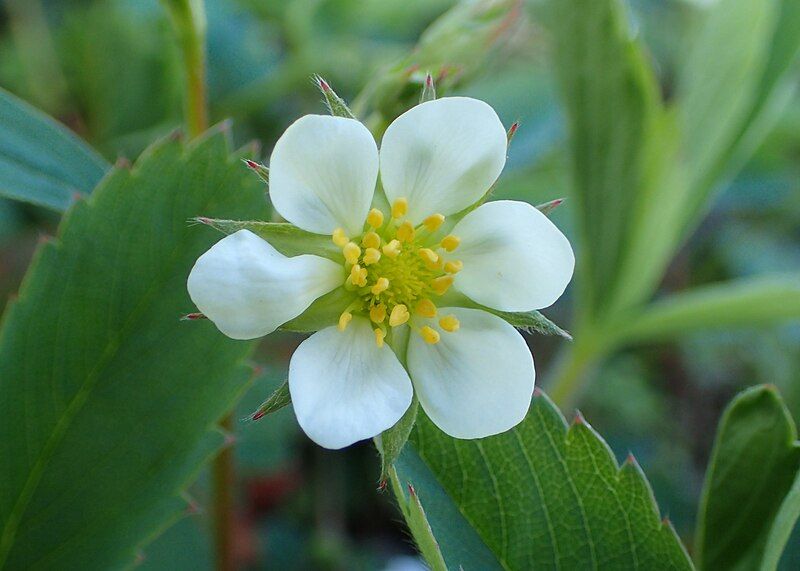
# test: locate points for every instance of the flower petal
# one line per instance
(248, 288)
(322, 173)
(345, 388)
(442, 155)
(515, 259)
(477, 381)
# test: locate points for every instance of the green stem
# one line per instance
(189, 21)
(573, 371)
(224, 484)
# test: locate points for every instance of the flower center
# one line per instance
(396, 269)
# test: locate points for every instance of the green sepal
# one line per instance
(261, 171)
(391, 441)
(335, 104)
(288, 239)
(324, 312)
(428, 90)
(276, 401)
(547, 207)
(528, 321)
(531, 321)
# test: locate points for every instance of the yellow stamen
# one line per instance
(377, 313)
(405, 232)
(351, 252)
(340, 238)
(392, 249)
(358, 275)
(381, 285)
(379, 335)
(371, 256)
(430, 335)
(449, 323)
(441, 284)
(399, 208)
(344, 319)
(433, 222)
(399, 315)
(371, 240)
(429, 255)
(454, 266)
(450, 242)
(425, 308)
(375, 218)
(437, 265)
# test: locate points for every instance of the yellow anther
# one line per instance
(437, 265)
(371, 256)
(450, 242)
(377, 313)
(358, 275)
(392, 249)
(428, 255)
(449, 323)
(430, 335)
(441, 284)
(340, 238)
(453, 267)
(344, 319)
(375, 218)
(379, 335)
(371, 240)
(351, 252)
(380, 286)
(425, 308)
(399, 315)
(399, 208)
(405, 232)
(433, 222)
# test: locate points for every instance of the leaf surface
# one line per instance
(754, 463)
(109, 400)
(41, 161)
(541, 496)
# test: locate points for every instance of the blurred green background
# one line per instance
(110, 70)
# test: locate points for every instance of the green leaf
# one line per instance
(744, 302)
(546, 496)
(738, 63)
(782, 527)
(288, 239)
(611, 101)
(109, 400)
(276, 401)
(734, 87)
(755, 460)
(41, 161)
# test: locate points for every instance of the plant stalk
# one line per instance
(223, 486)
(189, 22)
(573, 370)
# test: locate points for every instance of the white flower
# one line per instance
(471, 370)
